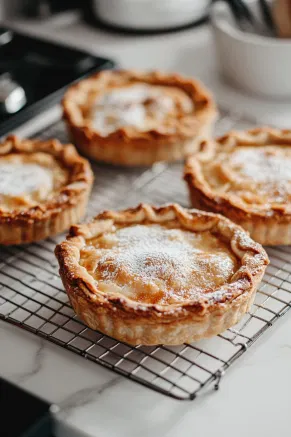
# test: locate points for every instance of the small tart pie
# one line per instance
(130, 118)
(44, 189)
(246, 176)
(160, 275)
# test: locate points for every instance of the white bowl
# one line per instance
(258, 64)
(150, 14)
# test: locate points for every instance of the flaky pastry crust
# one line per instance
(136, 322)
(60, 211)
(127, 145)
(271, 225)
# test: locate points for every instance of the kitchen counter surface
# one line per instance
(255, 395)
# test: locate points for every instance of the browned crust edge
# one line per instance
(138, 323)
(57, 214)
(271, 226)
(128, 146)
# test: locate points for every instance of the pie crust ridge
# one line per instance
(139, 323)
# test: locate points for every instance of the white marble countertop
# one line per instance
(255, 394)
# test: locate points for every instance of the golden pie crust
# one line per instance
(169, 138)
(136, 274)
(47, 210)
(246, 176)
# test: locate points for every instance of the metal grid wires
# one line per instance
(32, 296)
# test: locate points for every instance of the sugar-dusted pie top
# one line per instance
(29, 179)
(257, 175)
(158, 263)
(141, 106)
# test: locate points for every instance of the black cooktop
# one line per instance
(22, 414)
(40, 71)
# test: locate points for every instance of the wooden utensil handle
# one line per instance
(282, 17)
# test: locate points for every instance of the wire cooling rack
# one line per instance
(32, 296)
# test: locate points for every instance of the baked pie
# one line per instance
(246, 176)
(130, 118)
(160, 275)
(44, 189)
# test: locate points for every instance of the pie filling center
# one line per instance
(140, 106)
(257, 175)
(159, 264)
(16, 179)
(27, 180)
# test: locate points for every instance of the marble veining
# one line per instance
(36, 367)
(86, 396)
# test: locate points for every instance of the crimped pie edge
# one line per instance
(139, 323)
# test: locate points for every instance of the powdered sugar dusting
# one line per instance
(154, 264)
(18, 179)
(261, 166)
(137, 106)
(258, 176)
(150, 252)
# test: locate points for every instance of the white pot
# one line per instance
(150, 14)
(258, 64)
